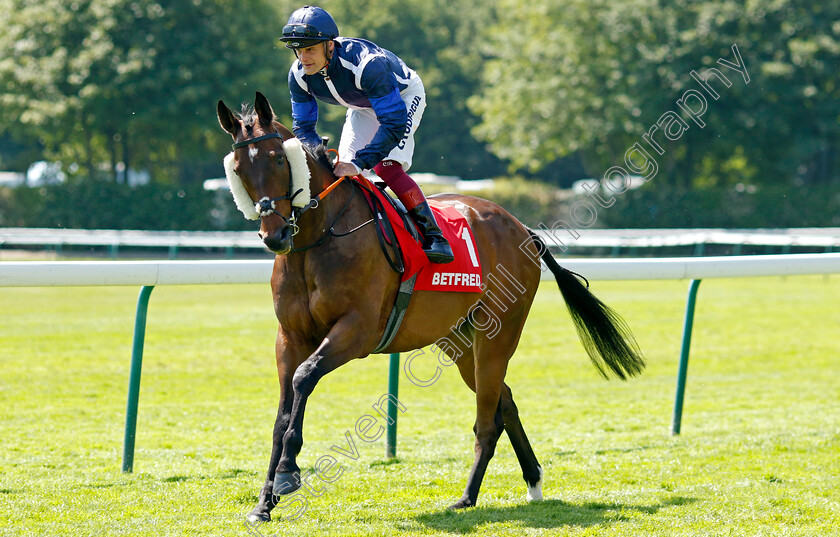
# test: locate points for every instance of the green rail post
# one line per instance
(393, 389)
(134, 377)
(676, 422)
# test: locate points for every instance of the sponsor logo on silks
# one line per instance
(410, 121)
(456, 278)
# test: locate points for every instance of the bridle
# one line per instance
(266, 206)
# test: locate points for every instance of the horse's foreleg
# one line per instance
(288, 358)
(339, 347)
(267, 500)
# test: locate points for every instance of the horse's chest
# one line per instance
(291, 307)
(306, 311)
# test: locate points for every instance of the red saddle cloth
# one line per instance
(463, 274)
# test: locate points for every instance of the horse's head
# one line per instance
(267, 171)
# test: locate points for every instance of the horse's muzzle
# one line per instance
(278, 241)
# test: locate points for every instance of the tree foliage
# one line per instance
(531, 86)
(128, 81)
(593, 76)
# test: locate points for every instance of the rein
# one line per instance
(331, 229)
(376, 207)
(314, 202)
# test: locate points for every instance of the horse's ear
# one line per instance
(227, 120)
(263, 109)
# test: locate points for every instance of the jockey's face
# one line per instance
(314, 58)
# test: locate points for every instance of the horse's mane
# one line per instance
(319, 154)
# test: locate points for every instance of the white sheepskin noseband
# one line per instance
(299, 170)
(300, 180)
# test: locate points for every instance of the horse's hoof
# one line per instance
(286, 483)
(463, 503)
(258, 516)
(535, 492)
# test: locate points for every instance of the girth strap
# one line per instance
(397, 313)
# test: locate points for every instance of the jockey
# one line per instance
(384, 101)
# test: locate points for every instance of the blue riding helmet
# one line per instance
(309, 26)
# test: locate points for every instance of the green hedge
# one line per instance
(104, 205)
(659, 206)
(655, 206)
(530, 201)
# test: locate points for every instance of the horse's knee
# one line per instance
(292, 441)
(494, 429)
(485, 441)
(305, 377)
(485, 447)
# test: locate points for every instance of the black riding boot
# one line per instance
(435, 246)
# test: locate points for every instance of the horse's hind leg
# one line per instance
(490, 356)
(531, 470)
(505, 418)
(489, 425)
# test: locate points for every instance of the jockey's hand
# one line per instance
(346, 168)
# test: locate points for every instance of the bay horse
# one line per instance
(333, 293)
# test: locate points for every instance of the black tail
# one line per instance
(604, 334)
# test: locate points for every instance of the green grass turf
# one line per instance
(758, 454)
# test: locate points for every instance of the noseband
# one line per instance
(266, 205)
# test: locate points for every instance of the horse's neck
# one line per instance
(321, 178)
(329, 206)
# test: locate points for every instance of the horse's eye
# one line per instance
(281, 159)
